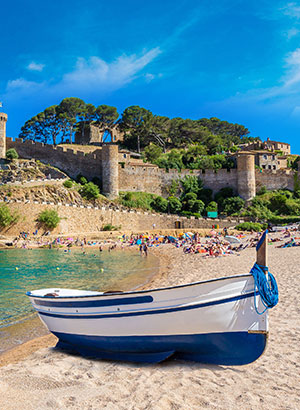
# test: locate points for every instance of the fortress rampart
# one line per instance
(133, 175)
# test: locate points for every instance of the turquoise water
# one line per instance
(22, 270)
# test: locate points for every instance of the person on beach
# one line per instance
(145, 249)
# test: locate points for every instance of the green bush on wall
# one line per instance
(49, 218)
(7, 217)
(68, 184)
(12, 154)
(251, 226)
(89, 191)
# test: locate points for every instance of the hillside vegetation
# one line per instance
(58, 124)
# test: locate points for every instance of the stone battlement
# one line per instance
(133, 175)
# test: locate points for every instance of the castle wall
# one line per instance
(272, 180)
(72, 162)
(150, 178)
(137, 176)
(3, 119)
(80, 220)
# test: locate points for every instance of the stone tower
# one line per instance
(110, 170)
(246, 175)
(3, 119)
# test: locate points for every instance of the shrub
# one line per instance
(212, 207)
(50, 218)
(232, 205)
(89, 191)
(189, 200)
(262, 191)
(160, 204)
(283, 220)
(7, 217)
(81, 179)
(205, 194)
(188, 213)
(174, 205)
(12, 154)
(222, 195)
(128, 196)
(97, 181)
(110, 227)
(68, 183)
(251, 226)
(198, 207)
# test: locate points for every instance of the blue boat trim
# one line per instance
(30, 294)
(95, 303)
(262, 239)
(227, 348)
(151, 312)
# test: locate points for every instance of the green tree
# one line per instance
(105, 117)
(135, 122)
(70, 109)
(198, 207)
(7, 217)
(152, 152)
(160, 204)
(11, 153)
(188, 201)
(212, 207)
(191, 183)
(49, 218)
(233, 205)
(174, 205)
(89, 191)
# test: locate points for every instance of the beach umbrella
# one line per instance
(232, 239)
(172, 239)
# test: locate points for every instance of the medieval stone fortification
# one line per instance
(118, 171)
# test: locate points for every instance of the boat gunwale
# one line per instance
(134, 292)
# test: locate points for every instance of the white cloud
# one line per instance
(96, 73)
(296, 112)
(35, 66)
(149, 77)
(291, 33)
(89, 76)
(291, 10)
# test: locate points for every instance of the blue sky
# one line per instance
(235, 60)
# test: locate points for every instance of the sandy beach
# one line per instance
(36, 376)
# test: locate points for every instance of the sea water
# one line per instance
(22, 270)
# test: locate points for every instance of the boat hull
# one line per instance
(210, 322)
(231, 348)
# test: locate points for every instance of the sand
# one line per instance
(48, 379)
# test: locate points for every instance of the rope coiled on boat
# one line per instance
(265, 286)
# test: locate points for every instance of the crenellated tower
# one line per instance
(110, 170)
(3, 119)
(246, 175)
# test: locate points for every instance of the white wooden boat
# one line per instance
(215, 321)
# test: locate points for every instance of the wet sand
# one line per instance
(36, 376)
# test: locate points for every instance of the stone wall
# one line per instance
(279, 179)
(86, 220)
(71, 161)
(150, 178)
(133, 175)
(3, 119)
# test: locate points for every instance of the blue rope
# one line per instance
(266, 288)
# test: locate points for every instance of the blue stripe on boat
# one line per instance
(150, 312)
(229, 348)
(261, 241)
(95, 303)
